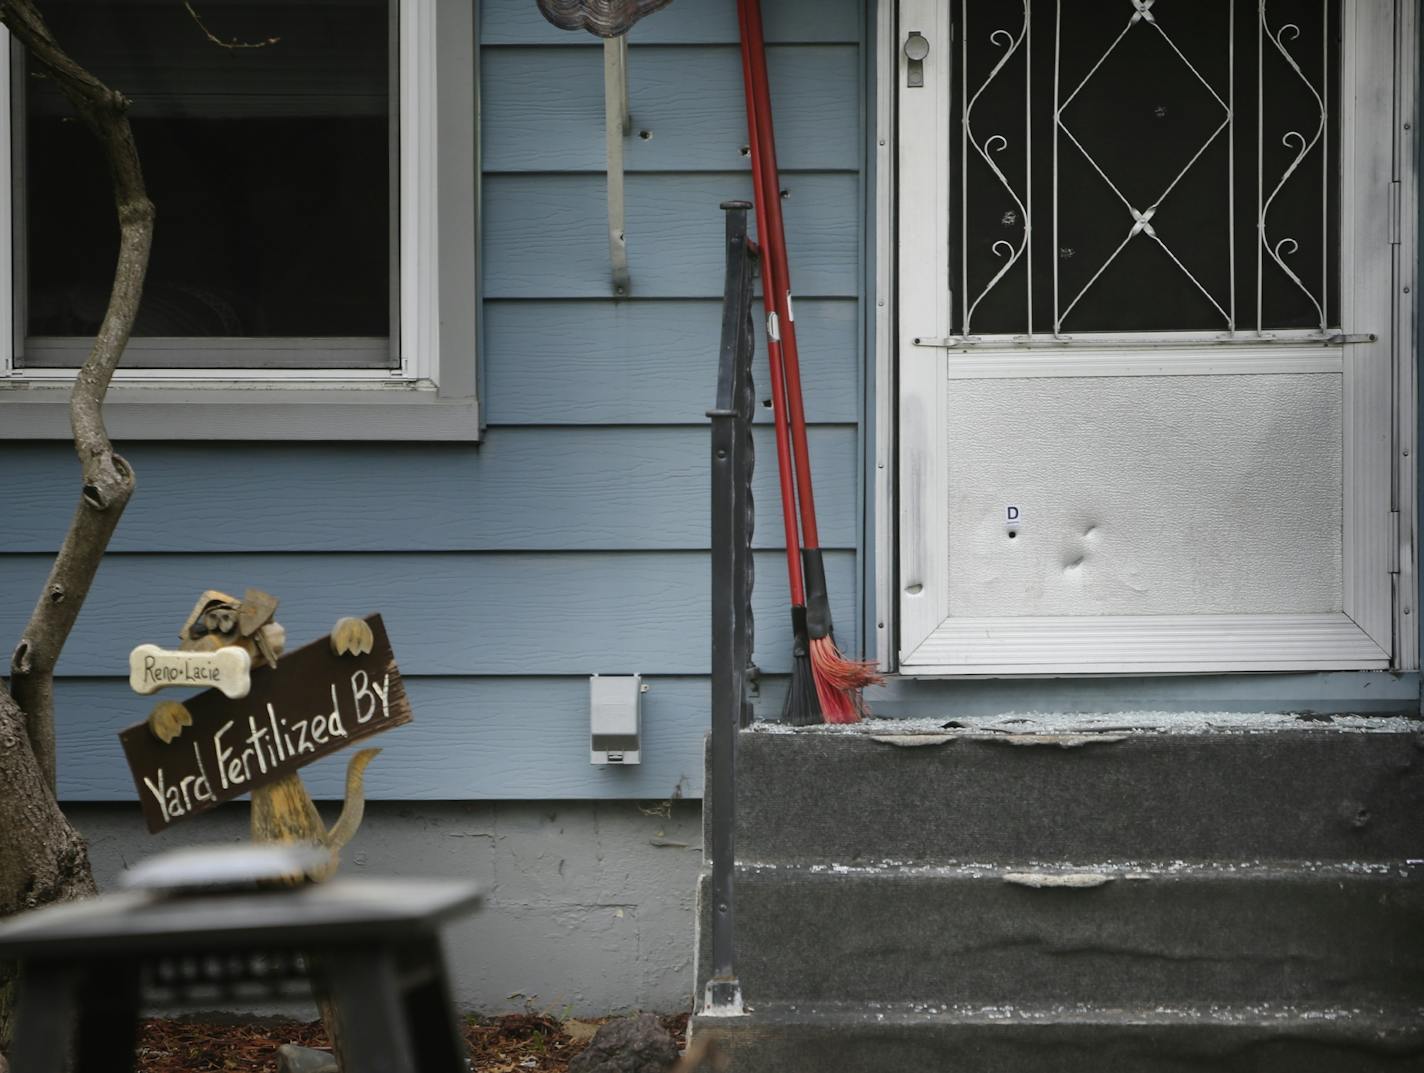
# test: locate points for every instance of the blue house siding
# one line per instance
(574, 539)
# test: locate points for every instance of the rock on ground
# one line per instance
(294, 1059)
(629, 1045)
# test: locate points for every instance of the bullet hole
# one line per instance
(646, 135)
(766, 403)
(914, 590)
(1089, 532)
(1009, 218)
(786, 195)
(1013, 533)
(745, 150)
(1355, 813)
(1066, 252)
(1073, 567)
(1160, 111)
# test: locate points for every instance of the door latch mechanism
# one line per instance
(917, 47)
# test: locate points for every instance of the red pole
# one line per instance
(773, 240)
(770, 288)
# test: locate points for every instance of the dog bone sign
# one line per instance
(227, 669)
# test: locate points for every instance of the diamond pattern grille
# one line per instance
(1156, 165)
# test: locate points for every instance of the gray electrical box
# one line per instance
(616, 718)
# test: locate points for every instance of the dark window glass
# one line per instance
(1140, 142)
(269, 166)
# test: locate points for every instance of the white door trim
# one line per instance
(1148, 644)
(923, 168)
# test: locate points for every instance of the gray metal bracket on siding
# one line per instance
(618, 122)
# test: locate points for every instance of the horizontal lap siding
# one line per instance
(641, 362)
(546, 236)
(687, 22)
(573, 540)
(507, 738)
(453, 613)
(525, 489)
(686, 104)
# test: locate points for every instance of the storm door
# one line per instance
(1146, 335)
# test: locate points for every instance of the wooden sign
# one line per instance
(314, 703)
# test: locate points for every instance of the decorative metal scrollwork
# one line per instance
(997, 143)
(1142, 20)
(1082, 94)
(1282, 248)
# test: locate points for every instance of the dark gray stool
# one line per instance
(371, 945)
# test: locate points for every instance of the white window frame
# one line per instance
(432, 395)
(1377, 627)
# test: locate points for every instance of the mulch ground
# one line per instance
(513, 1043)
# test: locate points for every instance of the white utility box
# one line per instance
(615, 718)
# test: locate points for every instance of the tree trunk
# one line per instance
(42, 858)
(108, 479)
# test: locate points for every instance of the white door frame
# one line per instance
(914, 631)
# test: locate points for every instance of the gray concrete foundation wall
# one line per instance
(589, 905)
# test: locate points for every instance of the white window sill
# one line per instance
(344, 410)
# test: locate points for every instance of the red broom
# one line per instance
(838, 680)
(802, 706)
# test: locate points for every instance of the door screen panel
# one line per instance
(1158, 166)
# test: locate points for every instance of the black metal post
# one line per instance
(732, 521)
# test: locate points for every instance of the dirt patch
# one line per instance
(512, 1043)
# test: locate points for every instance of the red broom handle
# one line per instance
(773, 347)
(773, 240)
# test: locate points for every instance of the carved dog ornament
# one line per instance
(253, 732)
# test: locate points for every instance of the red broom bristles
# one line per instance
(839, 681)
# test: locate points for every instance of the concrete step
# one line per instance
(1111, 935)
(879, 1039)
(1310, 791)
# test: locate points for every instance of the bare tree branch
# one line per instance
(108, 479)
(234, 42)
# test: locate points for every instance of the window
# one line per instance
(313, 168)
(1154, 338)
